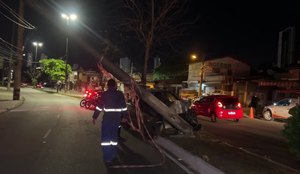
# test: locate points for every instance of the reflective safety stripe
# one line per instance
(111, 143)
(115, 110)
(111, 109)
(99, 109)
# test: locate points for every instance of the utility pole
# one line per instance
(18, 65)
(201, 77)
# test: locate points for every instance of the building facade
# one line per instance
(218, 74)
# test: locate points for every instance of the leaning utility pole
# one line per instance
(167, 113)
(18, 65)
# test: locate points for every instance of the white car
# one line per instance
(280, 109)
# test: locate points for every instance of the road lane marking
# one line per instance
(260, 156)
(27, 110)
(47, 133)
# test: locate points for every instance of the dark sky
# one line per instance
(245, 30)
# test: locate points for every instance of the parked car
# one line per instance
(39, 85)
(23, 84)
(279, 109)
(218, 106)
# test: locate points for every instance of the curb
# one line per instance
(18, 104)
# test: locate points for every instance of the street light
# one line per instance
(66, 17)
(37, 44)
(194, 57)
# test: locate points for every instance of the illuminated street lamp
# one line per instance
(68, 18)
(37, 44)
(194, 56)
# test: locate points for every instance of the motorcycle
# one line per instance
(90, 100)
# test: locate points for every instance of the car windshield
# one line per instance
(284, 102)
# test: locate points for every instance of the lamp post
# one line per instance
(68, 18)
(37, 44)
(194, 57)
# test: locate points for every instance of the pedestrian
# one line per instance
(112, 102)
(58, 86)
(254, 104)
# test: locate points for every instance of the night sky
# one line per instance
(245, 30)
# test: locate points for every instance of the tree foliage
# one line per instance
(168, 72)
(292, 130)
(55, 68)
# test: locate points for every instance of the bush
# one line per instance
(291, 130)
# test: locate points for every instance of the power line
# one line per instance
(23, 23)
(9, 44)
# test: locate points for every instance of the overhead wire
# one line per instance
(24, 23)
(10, 44)
(8, 51)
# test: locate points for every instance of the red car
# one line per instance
(39, 85)
(218, 106)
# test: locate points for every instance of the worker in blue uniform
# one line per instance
(112, 102)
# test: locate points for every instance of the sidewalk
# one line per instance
(6, 100)
(7, 103)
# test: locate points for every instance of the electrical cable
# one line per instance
(1, 39)
(23, 23)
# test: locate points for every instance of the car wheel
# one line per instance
(267, 115)
(88, 104)
(82, 103)
(213, 117)
(193, 120)
(236, 120)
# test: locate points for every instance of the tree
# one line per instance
(291, 130)
(55, 68)
(170, 72)
(153, 21)
(34, 74)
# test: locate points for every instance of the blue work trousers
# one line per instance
(109, 135)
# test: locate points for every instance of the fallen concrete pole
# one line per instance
(168, 114)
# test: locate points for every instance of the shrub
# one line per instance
(291, 130)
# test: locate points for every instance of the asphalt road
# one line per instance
(50, 133)
(255, 136)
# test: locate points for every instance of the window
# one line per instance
(284, 102)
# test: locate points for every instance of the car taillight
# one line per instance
(219, 104)
(238, 105)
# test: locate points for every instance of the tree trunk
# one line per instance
(147, 54)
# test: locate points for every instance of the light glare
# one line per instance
(73, 16)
